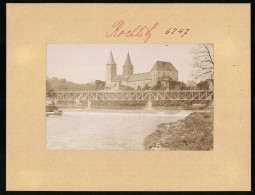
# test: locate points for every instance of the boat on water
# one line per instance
(59, 112)
(51, 109)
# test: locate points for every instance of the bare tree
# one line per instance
(203, 62)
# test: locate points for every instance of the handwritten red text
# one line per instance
(139, 31)
(180, 31)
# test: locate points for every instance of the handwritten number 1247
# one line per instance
(181, 31)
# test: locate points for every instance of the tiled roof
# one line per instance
(121, 78)
(164, 66)
(140, 77)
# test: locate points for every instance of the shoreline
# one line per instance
(144, 112)
(170, 111)
(132, 111)
(159, 108)
(194, 132)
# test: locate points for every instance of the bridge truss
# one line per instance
(151, 95)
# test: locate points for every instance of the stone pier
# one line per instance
(89, 104)
(149, 104)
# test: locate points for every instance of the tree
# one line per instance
(63, 85)
(126, 88)
(203, 62)
(203, 85)
(177, 85)
(99, 84)
(139, 88)
(158, 86)
(146, 87)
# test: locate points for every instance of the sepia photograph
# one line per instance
(130, 97)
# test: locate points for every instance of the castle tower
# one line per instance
(128, 68)
(110, 73)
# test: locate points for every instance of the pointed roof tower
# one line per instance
(128, 61)
(111, 60)
(128, 68)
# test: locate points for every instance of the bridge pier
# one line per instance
(149, 104)
(89, 104)
(77, 102)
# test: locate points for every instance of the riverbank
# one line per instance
(132, 108)
(195, 132)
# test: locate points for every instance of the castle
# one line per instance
(160, 72)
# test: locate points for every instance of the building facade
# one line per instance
(161, 71)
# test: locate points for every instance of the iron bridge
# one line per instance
(150, 95)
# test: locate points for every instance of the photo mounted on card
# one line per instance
(128, 97)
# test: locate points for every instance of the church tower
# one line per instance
(128, 68)
(110, 73)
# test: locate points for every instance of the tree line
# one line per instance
(56, 84)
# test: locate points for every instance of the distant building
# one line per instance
(161, 71)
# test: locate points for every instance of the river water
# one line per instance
(105, 130)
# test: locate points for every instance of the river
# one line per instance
(105, 129)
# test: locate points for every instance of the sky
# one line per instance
(82, 63)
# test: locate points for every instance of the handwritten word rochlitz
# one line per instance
(139, 31)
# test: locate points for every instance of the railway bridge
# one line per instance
(135, 95)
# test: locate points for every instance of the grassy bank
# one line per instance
(195, 132)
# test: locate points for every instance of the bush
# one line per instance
(195, 132)
(146, 87)
(126, 88)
